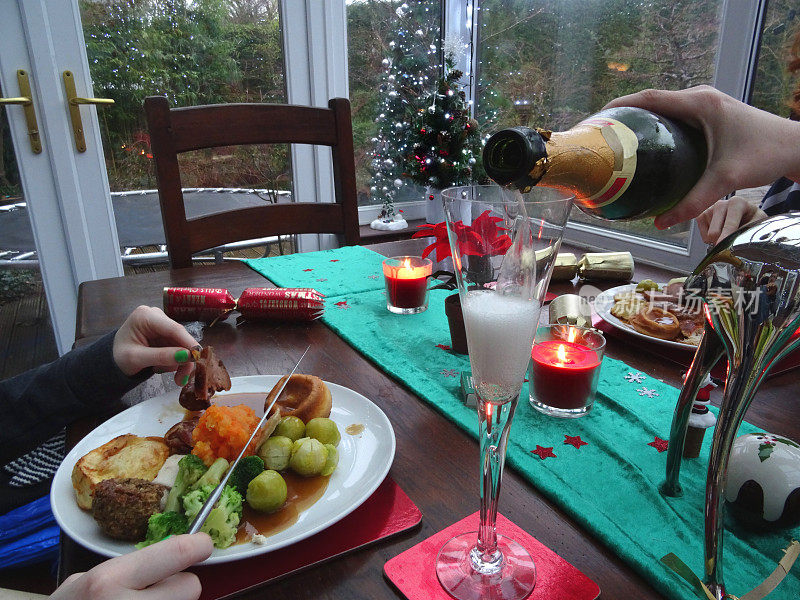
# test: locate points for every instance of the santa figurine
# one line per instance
(700, 419)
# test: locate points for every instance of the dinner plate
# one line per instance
(364, 461)
(605, 301)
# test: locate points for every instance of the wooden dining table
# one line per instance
(436, 464)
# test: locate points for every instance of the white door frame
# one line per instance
(316, 71)
(66, 191)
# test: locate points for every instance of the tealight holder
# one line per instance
(407, 284)
(564, 369)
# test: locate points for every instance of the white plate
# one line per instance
(605, 301)
(364, 461)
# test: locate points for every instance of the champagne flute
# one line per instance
(503, 247)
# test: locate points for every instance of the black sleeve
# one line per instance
(38, 403)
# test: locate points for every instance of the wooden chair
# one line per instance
(177, 130)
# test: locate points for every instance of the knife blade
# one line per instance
(208, 505)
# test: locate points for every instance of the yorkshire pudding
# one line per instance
(657, 322)
(305, 397)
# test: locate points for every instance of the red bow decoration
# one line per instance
(482, 238)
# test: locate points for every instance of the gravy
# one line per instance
(302, 492)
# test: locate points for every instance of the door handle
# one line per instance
(27, 106)
(73, 104)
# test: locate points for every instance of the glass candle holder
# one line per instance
(407, 284)
(564, 369)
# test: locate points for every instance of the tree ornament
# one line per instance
(398, 183)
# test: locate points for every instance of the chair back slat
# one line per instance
(211, 126)
(174, 131)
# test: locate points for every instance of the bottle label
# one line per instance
(622, 141)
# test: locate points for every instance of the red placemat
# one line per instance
(387, 512)
(414, 573)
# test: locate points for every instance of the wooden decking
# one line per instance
(26, 337)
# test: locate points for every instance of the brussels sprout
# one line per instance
(332, 461)
(290, 427)
(324, 430)
(308, 457)
(267, 492)
(647, 284)
(276, 452)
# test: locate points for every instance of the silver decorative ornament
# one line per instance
(398, 183)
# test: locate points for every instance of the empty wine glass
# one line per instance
(504, 247)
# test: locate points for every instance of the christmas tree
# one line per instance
(445, 144)
(410, 69)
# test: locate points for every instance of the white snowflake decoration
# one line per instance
(635, 377)
(643, 391)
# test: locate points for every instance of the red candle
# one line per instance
(562, 373)
(406, 282)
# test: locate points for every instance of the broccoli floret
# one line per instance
(223, 520)
(163, 525)
(190, 469)
(248, 469)
(194, 500)
(213, 475)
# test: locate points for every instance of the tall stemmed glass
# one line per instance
(504, 247)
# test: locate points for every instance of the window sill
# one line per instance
(375, 236)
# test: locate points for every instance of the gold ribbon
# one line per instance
(790, 555)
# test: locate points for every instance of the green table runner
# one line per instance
(603, 469)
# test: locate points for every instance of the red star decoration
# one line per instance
(543, 452)
(334, 260)
(659, 444)
(575, 440)
(342, 304)
(443, 346)
(308, 269)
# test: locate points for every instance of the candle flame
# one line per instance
(573, 333)
(407, 263)
(489, 411)
(561, 353)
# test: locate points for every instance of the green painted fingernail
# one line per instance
(185, 380)
(181, 356)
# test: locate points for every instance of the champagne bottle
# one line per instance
(622, 163)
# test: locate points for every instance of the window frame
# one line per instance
(734, 72)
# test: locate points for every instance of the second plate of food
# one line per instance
(366, 452)
(605, 302)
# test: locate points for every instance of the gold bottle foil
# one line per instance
(565, 268)
(606, 266)
(571, 309)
